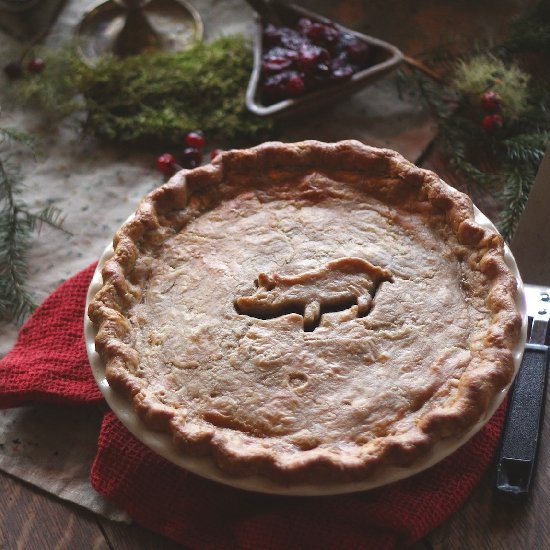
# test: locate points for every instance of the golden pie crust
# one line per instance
(307, 311)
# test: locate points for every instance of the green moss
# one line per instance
(153, 99)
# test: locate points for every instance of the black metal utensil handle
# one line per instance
(520, 440)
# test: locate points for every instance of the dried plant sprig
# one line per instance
(485, 72)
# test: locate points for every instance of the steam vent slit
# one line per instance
(336, 286)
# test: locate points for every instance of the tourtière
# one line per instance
(308, 312)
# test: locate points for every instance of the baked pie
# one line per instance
(307, 312)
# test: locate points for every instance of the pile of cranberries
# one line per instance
(491, 103)
(191, 156)
(308, 57)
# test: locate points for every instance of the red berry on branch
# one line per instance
(13, 70)
(36, 65)
(491, 102)
(166, 164)
(191, 157)
(195, 139)
(492, 123)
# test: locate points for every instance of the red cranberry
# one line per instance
(492, 123)
(36, 65)
(166, 164)
(346, 39)
(325, 34)
(278, 59)
(292, 39)
(358, 52)
(13, 70)
(191, 157)
(331, 34)
(491, 102)
(318, 77)
(295, 86)
(310, 56)
(315, 31)
(303, 25)
(272, 88)
(274, 64)
(215, 153)
(282, 86)
(342, 72)
(195, 139)
(272, 35)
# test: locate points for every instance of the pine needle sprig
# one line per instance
(13, 135)
(17, 224)
(514, 195)
(521, 156)
(15, 301)
(526, 148)
(458, 138)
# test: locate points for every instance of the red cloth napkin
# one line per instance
(49, 364)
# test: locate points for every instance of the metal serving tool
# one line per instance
(129, 27)
(520, 440)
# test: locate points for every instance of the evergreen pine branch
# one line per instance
(15, 301)
(518, 180)
(51, 216)
(531, 32)
(15, 135)
(17, 224)
(457, 137)
(526, 148)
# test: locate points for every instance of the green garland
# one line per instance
(17, 224)
(151, 99)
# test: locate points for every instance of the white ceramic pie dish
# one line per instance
(205, 466)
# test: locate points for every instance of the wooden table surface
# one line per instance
(32, 519)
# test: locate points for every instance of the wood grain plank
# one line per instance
(134, 537)
(33, 520)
